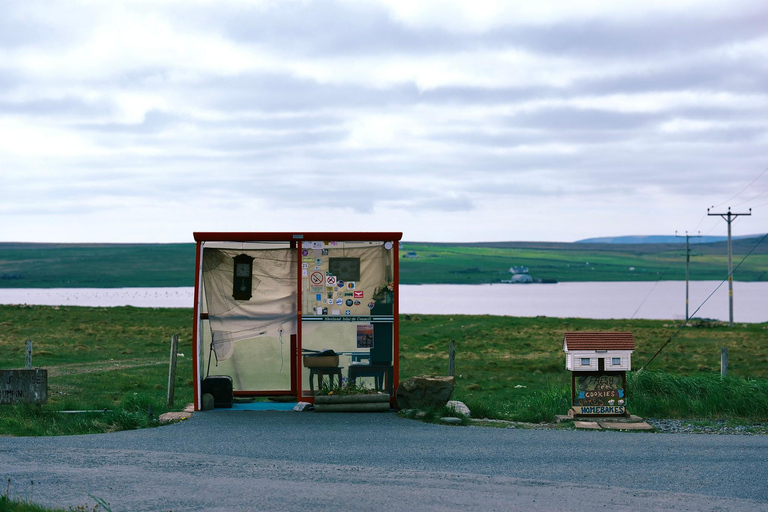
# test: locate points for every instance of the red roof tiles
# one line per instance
(599, 341)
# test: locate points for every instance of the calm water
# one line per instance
(659, 300)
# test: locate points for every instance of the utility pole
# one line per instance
(687, 264)
(729, 217)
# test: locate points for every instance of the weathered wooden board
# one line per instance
(23, 386)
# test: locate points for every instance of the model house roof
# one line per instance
(599, 341)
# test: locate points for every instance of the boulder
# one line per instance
(459, 407)
(208, 402)
(424, 392)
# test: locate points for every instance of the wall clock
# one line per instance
(242, 278)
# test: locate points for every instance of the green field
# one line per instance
(506, 367)
(490, 262)
(97, 358)
(148, 265)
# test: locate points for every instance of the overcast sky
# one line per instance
(450, 121)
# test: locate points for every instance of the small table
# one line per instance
(320, 372)
(377, 371)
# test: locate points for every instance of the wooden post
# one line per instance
(452, 358)
(172, 368)
(28, 364)
(724, 361)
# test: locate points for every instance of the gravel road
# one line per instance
(223, 460)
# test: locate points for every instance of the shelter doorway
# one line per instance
(252, 339)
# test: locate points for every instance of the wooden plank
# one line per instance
(172, 369)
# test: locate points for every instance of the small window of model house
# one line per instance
(585, 361)
(616, 361)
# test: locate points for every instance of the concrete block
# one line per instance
(589, 425)
(615, 425)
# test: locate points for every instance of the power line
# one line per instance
(680, 327)
(742, 190)
(655, 284)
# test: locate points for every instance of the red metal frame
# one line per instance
(285, 236)
(396, 320)
(295, 238)
(195, 329)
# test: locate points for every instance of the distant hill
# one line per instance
(659, 239)
(29, 265)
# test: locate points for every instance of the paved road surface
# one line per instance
(311, 461)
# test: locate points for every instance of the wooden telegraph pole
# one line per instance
(729, 217)
(687, 264)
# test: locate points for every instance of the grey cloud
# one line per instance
(324, 28)
(568, 119)
(270, 93)
(694, 74)
(333, 28)
(300, 121)
(154, 121)
(294, 139)
(57, 107)
(656, 33)
(19, 27)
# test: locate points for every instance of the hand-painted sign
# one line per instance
(599, 393)
(599, 409)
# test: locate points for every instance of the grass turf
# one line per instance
(506, 367)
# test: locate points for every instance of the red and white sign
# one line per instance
(357, 294)
(316, 278)
(330, 280)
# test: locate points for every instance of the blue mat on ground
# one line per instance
(261, 406)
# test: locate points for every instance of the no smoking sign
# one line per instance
(316, 278)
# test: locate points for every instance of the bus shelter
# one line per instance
(289, 313)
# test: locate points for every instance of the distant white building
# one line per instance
(518, 270)
(411, 255)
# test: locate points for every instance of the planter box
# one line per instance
(321, 361)
(352, 403)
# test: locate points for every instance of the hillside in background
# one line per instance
(475, 263)
(24, 265)
(660, 239)
(96, 265)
